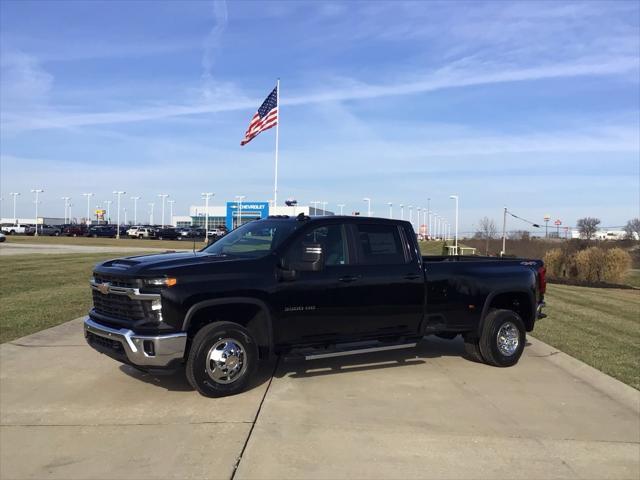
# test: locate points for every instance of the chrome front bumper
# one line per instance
(142, 350)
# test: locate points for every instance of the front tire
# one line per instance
(222, 359)
(503, 338)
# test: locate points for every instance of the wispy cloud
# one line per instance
(211, 45)
(456, 75)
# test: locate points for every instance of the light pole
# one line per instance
(401, 212)
(324, 208)
(206, 196)
(163, 196)
(429, 214)
(504, 232)
(239, 199)
(108, 202)
(390, 209)
(14, 195)
(88, 195)
(124, 209)
(66, 207)
(368, 200)
(435, 225)
(135, 209)
(151, 205)
(455, 197)
(70, 205)
(341, 207)
(547, 217)
(418, 209)
(315, 207)
(171, 202)
(411, 214)
(118, 195)
(37, 201)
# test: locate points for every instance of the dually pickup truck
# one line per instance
(306, 287)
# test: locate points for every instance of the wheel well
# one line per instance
(250, 316)
(519, 302)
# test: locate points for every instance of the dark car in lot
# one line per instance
(46, 230)
(109, 231)
(75, 230)
(190, 233)
(311, 288)
(166, 233)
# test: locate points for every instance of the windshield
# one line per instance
(253, 239)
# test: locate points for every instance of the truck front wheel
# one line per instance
(503, 338)
(222, 359)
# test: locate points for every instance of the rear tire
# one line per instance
(222, 359)
(503, 338)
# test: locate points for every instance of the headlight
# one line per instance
(161, 282)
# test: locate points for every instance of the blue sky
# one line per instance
(530, 105)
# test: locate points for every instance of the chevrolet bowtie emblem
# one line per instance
(103, 288)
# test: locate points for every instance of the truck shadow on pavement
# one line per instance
(428, 348)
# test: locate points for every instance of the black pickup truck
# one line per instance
(313, 287)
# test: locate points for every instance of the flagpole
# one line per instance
(275, 186)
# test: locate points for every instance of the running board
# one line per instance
(358, 351)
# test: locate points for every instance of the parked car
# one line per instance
(167, 233)
(16, 229)
(141, 232)
(75, 230)
(311, 288)
(217, 233)
(3, 237)
(106, 231)
(45, 230)
(190, 233)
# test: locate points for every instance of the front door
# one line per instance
(311, 304)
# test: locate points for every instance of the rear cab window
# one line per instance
(380, 244)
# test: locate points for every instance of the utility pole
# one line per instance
(401, 211)
(429, 215)
(368, 200)
(108, 202)
(324, 208)
(135, 209)
(504, 233)
(118, 195)
(390, 209)
(418, 209)
(341, 207)
(14, 195)
(37, 201)
(455, 197)
(88, 195)
(151, 205)
(163, 196)
(239, 199)
(171, 202)
(206, 196)
(66, 207)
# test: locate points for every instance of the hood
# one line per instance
(157, 264)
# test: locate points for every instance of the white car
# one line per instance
(17, 229)
(141, 232)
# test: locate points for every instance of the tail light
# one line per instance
(542, 280)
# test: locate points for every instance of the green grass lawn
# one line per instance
(600, 326)
(633, 278)
(40, 291)
(106, 242)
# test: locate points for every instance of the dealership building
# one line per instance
(236, 213)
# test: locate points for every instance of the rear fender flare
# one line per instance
(487, 304)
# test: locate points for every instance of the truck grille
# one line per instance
(116, 281)
(119, 306)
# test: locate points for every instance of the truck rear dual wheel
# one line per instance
(222, 359)
(503, 338)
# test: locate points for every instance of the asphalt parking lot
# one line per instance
(68, 412)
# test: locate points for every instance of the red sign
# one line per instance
(558, 222)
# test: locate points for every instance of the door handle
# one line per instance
(412, 276)
(349, 278)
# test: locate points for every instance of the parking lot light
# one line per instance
(118, 195)
(368, 200)
(14, 195)
(135, 209)
(163, 196)
(37, 201)
(171, 202)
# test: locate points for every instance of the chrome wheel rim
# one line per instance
(508, 339)
(226, 361)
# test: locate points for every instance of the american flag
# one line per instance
(265, 118)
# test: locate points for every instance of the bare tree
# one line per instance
(520, 235)
(632, 229)
(486, 230)
(588, 227)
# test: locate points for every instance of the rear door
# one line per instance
(388, 297)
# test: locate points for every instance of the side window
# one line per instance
(333, 241)
(380, 245)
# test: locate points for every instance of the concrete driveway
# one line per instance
(48, 248)
(68, 412)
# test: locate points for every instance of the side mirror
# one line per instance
(311, 259)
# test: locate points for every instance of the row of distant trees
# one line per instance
(587, 227)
